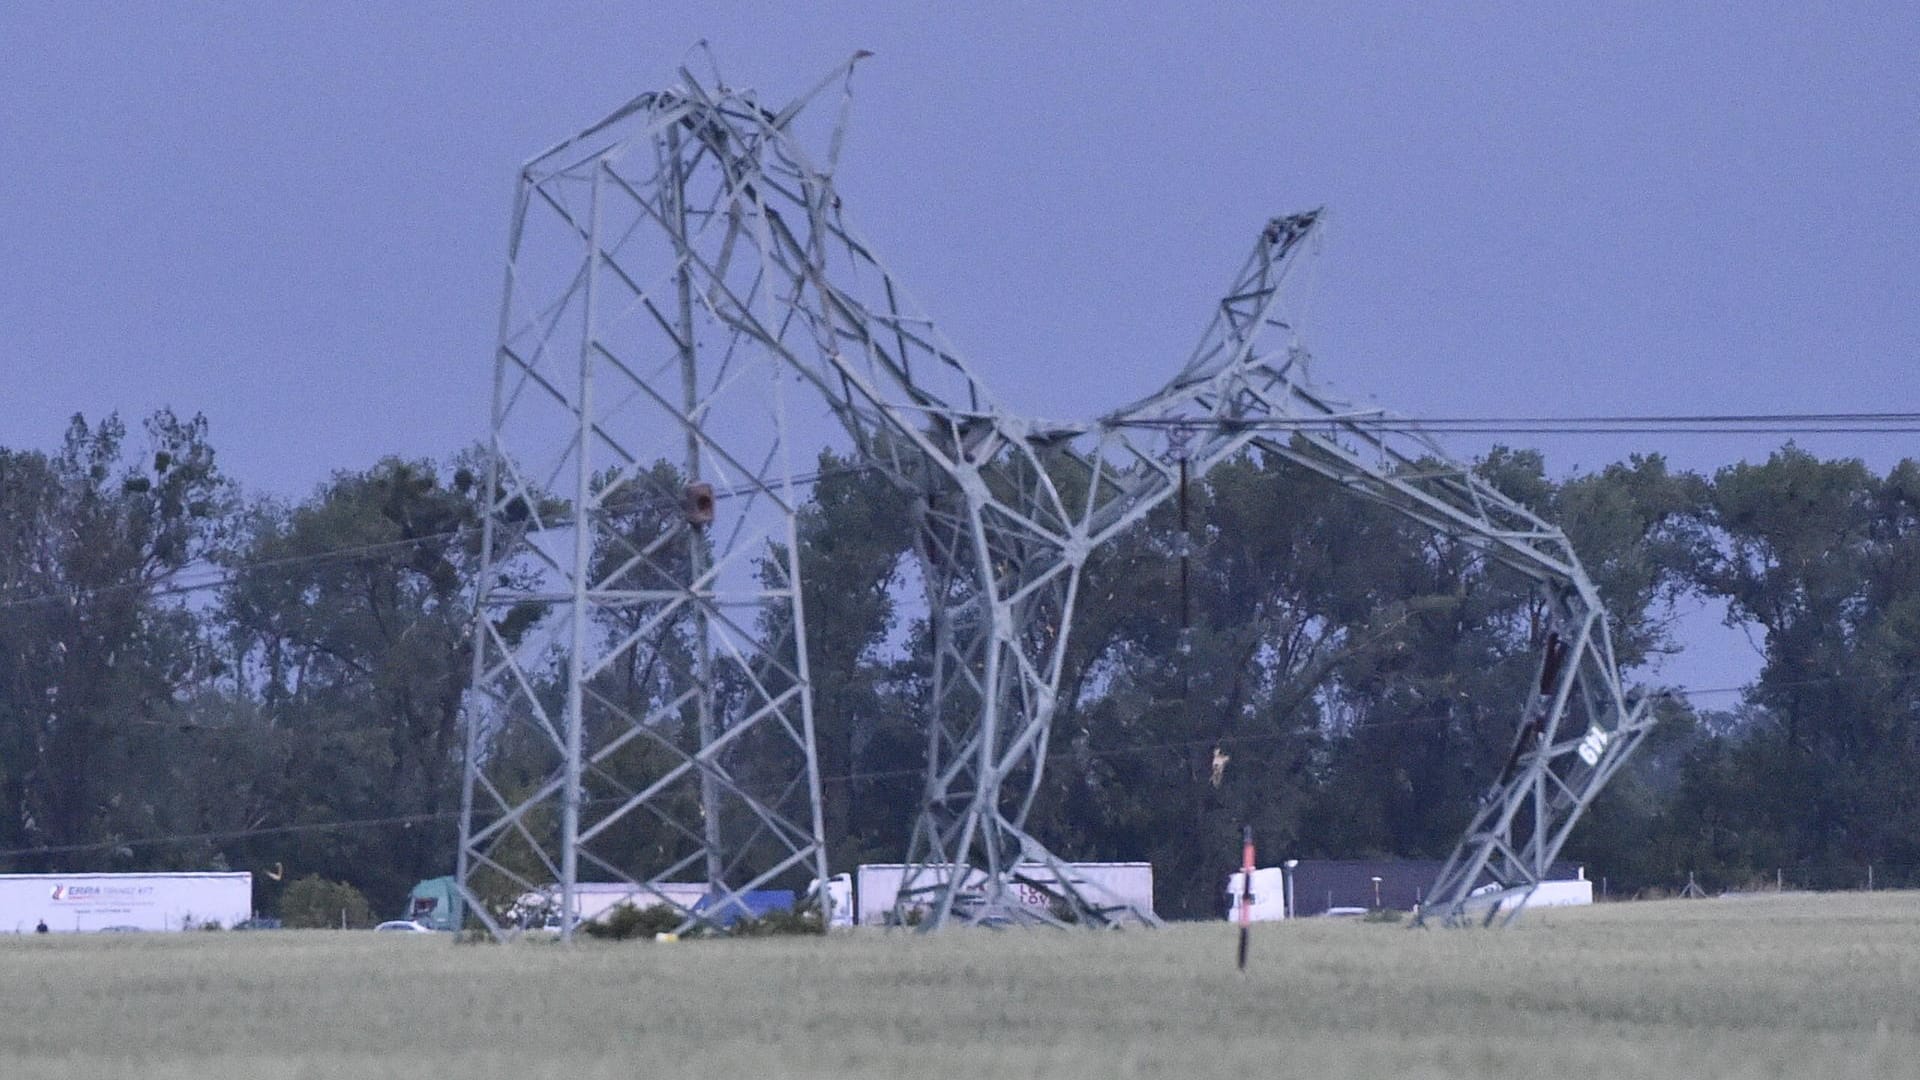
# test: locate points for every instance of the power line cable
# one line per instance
(233, 570)
(1902, 423)
(1703, 424)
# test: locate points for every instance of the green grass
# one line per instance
(1825, 986)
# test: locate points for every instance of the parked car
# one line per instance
(402, 926)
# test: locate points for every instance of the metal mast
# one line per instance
(1577, 730)
(641, 711)
(700, 247)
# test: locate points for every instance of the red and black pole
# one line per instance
(1246, 890)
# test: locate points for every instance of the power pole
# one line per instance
(690, 256)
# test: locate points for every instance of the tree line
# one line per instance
(196, 678)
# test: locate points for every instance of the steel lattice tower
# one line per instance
(696, 266)
(642, 533)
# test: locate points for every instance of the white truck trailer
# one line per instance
(1574, 893)
(1269, 895)
(594, 899)
(69, 903)
(1273, 894)
(876, 886)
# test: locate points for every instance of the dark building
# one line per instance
(1320, 884)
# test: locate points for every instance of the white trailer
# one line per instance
(67, 903)
(1269, 895)
(1577, 892)
(876, 886)
(593, 899)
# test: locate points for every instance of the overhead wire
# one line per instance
(1846, 423)
(1836, 423)
(227, 573)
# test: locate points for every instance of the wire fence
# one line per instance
(1815, 877)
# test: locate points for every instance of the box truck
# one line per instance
(69, 903)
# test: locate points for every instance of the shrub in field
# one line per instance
(804, 920)
(314, 903)
(626, 921)
(1385, 915)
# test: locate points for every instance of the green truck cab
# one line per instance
(435, 904)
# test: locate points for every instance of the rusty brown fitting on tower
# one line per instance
(697, 504)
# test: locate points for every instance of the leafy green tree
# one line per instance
(94, 657)
(855, 543)
(1342, 679)
(314, 903)
(1642, 531)
(1185, 716)
(1821, 556)
(349, 622)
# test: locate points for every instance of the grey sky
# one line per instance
(293, 217)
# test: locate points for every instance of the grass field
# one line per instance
(1819, 986)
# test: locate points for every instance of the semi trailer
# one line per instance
(69, 903)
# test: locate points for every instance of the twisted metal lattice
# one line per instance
(695, 276)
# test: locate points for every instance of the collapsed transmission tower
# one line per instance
(641, 711)
(695, 280)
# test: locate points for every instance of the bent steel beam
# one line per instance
(699, 265)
